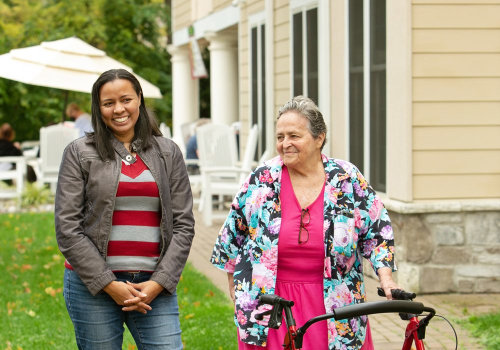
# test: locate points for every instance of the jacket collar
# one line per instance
(119, 147)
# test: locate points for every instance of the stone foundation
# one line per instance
(448, 251)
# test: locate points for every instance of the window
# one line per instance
(258, 83)
(305, 53)
(367, 89)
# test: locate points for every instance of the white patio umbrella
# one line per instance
(67, 64)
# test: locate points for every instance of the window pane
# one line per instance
(378, 95)
(356, 33)
(377, 31)
(312, 54)
(262, 137)
(254, 83)
(356, 95)
(297, 54)
(378, 130)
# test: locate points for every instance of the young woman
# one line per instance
(124, 222)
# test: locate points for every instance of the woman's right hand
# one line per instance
(230, 280)
(122, 292)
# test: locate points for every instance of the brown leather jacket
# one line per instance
(85, 200)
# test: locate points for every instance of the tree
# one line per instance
(131, 31)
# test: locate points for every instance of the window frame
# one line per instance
(368, 68)
(257, 21)
(303, 6)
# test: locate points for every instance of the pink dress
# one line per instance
(300, 271)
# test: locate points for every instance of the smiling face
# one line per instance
(119, 105)
(295, 143)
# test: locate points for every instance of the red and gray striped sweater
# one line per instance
(134, 242)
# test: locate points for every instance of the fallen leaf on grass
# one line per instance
(49, 265)
(196, 303)
(52, 292)
(26, 286)
(20, 248)
(10, 306)
(26, 267)
(31, 313)
(210, 293)
(188, 316)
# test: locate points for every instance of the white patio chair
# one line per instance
(188, 130)
(15, 173)
(221, 174)
(53, 140)
(265, 156)
(165, 130)
(247, 162)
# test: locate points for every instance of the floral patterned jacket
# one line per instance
(355, 224)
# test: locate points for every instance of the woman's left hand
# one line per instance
(386, 281)
(150, 288)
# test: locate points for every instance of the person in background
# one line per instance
(82, 120)
(124, 222)
(299, 228)
(8, 147)
(192, 148)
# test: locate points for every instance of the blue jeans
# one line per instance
(98, 320)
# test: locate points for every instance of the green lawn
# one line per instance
(32, 310)
(486, 329)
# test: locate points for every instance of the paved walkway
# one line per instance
(387, 329)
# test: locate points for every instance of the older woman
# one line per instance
(124, 222)
(298, 228)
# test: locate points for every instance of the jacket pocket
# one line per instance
(86, 160)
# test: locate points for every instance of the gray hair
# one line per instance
(308, 109)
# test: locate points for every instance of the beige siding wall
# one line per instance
(220, 4)
(185, 14)
(456, 99)
(181, 10)
(281, 53)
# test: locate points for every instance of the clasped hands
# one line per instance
(134, 296)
